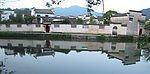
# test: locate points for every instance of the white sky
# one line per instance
(121, 6)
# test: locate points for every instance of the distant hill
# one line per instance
(73, 10)
(147, 12)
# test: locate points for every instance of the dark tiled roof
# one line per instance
(119, 15)
(100, 18)
(72, 20)
(115, 23)
(144, 14)
(5, 10)
(135, 11)
(44, 11)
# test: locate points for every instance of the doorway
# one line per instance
(140, 32)
(47, 28)
(114, 31)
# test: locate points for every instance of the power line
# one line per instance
(2, 2)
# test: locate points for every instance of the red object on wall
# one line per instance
(49, 27)
(44, 28)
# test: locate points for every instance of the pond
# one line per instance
(72, 57)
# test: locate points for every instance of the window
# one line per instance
(85, 26)
(115, 27)
(20, 45)
(38, 46)
(113, 46)
(38, 15)
(124, 25)
(7, 25)
(56, 46)
(100, 48)
(73, 47)
(73, 26)
(46, 15)
(38, 25)
(9, 44)
(84, 47)
(19, 25)
(101, 27)
(131, 19)
(56, 25)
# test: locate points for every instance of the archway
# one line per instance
(114, 31)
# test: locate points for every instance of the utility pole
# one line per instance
(103, 6)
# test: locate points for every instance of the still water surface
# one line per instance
(72, 57)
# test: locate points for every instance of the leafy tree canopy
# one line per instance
(92, 20)
(66, 21)
(79, 21)
(147, 26)
(107, 16)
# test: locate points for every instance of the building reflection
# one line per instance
(128, 53)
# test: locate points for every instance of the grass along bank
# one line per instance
(66, 36)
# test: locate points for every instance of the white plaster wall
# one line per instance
(119, 47)
(107, 46)
(123, 19)
(88, 45)
(33, 12)
(24, 27)
(66, 28)
(78, 45)
(26, 43)
(120, 31)
(6, 15)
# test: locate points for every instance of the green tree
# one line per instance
(107, 16)
(147, 26)
(0, 15)
(19, 18)
(25, 11)
(12, 19)
(92, 20)
(28, 19)
(66, 21)
(79, 21)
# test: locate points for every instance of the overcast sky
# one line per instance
(121, 6)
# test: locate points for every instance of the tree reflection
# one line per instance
(146, 54)
(4, 70)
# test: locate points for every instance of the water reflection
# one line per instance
(128, 53)
(3, 69)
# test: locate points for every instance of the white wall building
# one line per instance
(88, 28)
(131, 20)
(66, 28)
(125, 24)
(6, 13)
(42, 12)
(21, 28)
